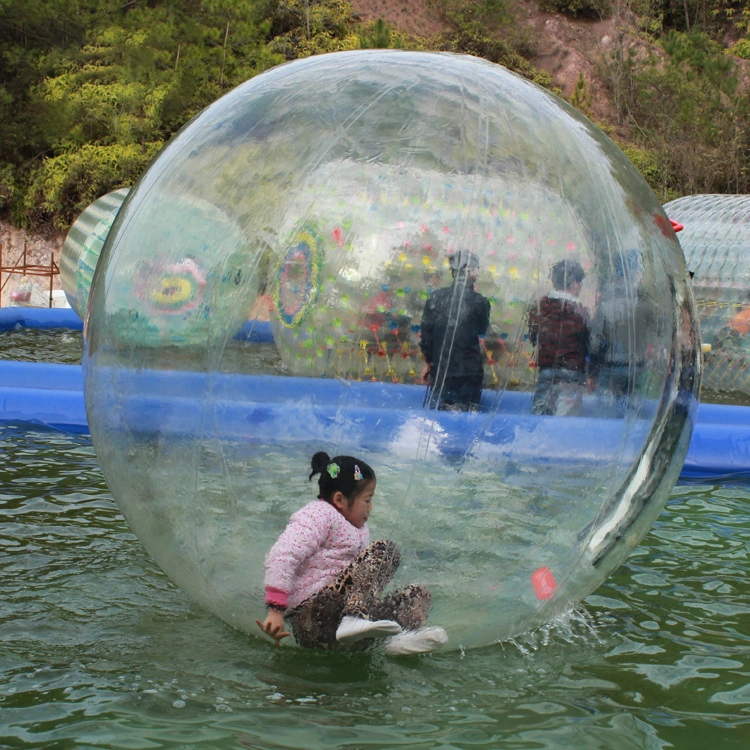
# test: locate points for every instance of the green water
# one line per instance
(100, 649)
(61, 346)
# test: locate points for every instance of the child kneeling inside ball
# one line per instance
(327, 580)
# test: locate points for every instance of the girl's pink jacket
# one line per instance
(317, 544)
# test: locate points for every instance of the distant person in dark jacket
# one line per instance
(453, 319)
(559, 328)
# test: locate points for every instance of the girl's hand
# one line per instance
(274, 625)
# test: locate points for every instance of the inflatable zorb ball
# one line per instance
(329, 195)
(716, 242)
(83, 245)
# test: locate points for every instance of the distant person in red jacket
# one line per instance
(559, 328)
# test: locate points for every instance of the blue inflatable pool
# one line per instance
(39, 317)
(65, 317)
(52, 395)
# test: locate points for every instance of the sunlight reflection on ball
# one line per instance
(326, 195)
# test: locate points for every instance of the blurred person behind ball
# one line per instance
(453, 319)
(560, 330)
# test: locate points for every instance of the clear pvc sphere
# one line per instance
(334, 197)
(716, 242)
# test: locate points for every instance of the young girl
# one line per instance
(327, 580)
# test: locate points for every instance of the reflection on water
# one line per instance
(60, 346)
(100, 649)
(65, 346)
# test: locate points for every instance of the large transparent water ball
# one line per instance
(323, 201)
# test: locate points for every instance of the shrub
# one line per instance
(65, 185)
(585, 8)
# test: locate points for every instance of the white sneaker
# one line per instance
(416, 641)
(353, 629)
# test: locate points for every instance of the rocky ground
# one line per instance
(417, 17)
(41, 248)
(563, 47)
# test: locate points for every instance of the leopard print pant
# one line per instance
(357, 591)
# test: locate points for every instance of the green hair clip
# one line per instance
(333, 470)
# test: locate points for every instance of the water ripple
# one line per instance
(100, 649)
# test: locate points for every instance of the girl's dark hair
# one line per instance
(344, 474)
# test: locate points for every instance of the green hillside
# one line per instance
(90, 90)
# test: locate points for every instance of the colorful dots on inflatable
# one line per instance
(298, 278)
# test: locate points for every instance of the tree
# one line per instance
(101, 90)
(691, 112)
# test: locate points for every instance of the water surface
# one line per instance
(100, 649)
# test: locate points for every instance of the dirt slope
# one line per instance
(564, 47)
(415, 17)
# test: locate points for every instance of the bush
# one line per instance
(585, 8)
(67, 184)
(741, 49)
